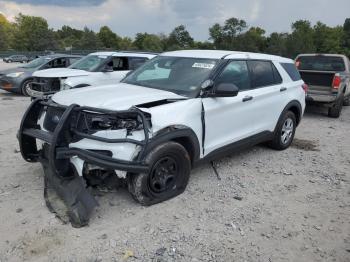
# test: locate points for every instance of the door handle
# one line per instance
(283, 89)
(247, 98)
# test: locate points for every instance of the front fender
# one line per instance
(179, 133)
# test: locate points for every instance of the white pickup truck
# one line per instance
(101, 68)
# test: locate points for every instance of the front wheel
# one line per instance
(26, 87)
(285, 131)
(170, 168)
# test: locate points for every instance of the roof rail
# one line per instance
(139, 52)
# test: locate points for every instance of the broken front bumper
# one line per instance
(56, 153)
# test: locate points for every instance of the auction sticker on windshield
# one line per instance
(203, 65)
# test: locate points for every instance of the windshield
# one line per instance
(89, 63)
(179, 75)
(37, 62)
(321, 63)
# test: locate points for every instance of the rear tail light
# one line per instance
(336, 82)
(305, 88)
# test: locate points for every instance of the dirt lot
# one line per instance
(268, 206)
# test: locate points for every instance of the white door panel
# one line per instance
(229, 119)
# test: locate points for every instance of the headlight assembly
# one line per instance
(17, 74)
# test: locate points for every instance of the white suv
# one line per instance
(175, 111)
(101, 68)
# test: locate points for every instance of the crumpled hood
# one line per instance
(113, 97)
(60, 72)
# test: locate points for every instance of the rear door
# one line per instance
(267, 91)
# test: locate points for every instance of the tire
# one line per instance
(9, 61)
(170, 168)
(346, 101)
(25, 86)
(284, 132)
(335, 110)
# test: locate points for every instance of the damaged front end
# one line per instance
(76, 141)
(43, 87)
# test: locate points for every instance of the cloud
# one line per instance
(59, 2)
(128, 17)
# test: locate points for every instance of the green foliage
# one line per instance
(179, 38)
(89, 40)
(30, 33)
(108, 38)
(150, 42)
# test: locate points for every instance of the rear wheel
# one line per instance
(9, 61)
(284, 132)
(26, 87)
(170, 168)
(346, 101)
(335, 110)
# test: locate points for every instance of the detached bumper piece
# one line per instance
(65, 191)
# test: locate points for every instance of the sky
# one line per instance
(128, 17)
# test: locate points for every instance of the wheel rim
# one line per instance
(287, 131)
(163, 175)
(27, 88)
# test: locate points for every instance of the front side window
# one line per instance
(181, 75)
(90, 62)
(236, 72)
(58, 63)
(264, 73)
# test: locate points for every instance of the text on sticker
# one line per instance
(203, 65)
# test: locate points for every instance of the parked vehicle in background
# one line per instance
(101, 68)
(173, 112)
(16, 58)
(328, 78)
(17, 80)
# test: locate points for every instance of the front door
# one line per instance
(230, 119)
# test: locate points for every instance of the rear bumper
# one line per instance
(321, 98)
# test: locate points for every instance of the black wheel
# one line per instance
(9, 61)
(26, 87)
(346, 101)
(170, 168)
(285, 131)
(335, 110)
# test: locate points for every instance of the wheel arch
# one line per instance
(181, 134)
(295, 107)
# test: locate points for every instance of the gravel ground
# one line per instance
(268, 206)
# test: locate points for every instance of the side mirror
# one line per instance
(107, 69)
(226, 90)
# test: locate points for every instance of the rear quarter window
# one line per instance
(292, 71)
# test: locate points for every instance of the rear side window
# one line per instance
(292, 71)
(321, 63)
(264, 73)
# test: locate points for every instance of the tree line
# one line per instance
(31, 33)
